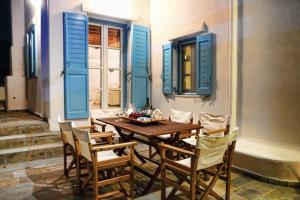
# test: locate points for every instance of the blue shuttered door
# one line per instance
(167, 69)
(140, 65)
(204, 64)
(76, 66)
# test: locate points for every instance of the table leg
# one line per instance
(154, 177)
(152, 180)
(124, 138)
(173, 141)
(128, 138)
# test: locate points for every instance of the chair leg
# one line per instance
(163, 185)
(131, 180)
(193, 188)
(212, 183)
(228, 183)
(78, 173)
(65, 161)
(95, 182)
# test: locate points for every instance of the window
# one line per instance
(194, 65)
(187, 65)
(105, 66)
(30, 53)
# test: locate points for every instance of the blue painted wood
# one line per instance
(32, 54)
(167, 77)
(76, 66)
(27, 56)
(204, 64)
(140, 65)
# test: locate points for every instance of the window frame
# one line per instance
(179, 52)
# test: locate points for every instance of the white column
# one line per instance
(17, 31)
(16, 83)
(233, 61)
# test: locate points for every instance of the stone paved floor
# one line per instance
(44, 180)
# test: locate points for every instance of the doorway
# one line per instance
(107, 66)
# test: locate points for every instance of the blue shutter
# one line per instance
(30, 53)
(140, 65)
(76, 66)
(27, 56)
(167, 77)
(204, 64)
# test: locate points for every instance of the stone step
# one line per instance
(22, 127)
(24, 140)
(34, 152)
(2, 105)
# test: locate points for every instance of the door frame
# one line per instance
(124, 55)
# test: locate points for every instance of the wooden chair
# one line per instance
(69, 145)
(211, 152)
(176, 116)
(96, 123)
(213, 125)
(99, 159)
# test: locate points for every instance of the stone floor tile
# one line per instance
(240, 181)
(47, 194)
(20, 191)
(11, 167)
(284, 193)
(248, 193)
(236, 197)
(261, 187)
(46, 181)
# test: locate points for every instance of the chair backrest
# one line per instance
(82, 143)
(66, 133)
(181, 116)
(213, 122)
(213, 148)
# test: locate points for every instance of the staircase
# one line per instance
(25, 137)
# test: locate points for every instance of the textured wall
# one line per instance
(269, 71)
(174, 18)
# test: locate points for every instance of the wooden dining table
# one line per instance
(148, 134)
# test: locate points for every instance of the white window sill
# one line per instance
(187, 95)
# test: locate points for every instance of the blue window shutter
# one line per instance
(32, 53)
(140, 65)
(204, 64)
(167, 77)
(27, 56)
(76, 66)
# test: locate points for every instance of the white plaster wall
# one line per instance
(173, 18)
(15, 84)
(17, 31)
(15, 93)
(269, 71)
(102, 8)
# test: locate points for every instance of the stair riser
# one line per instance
(23, 142)
(23, 129)
(31, 155)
